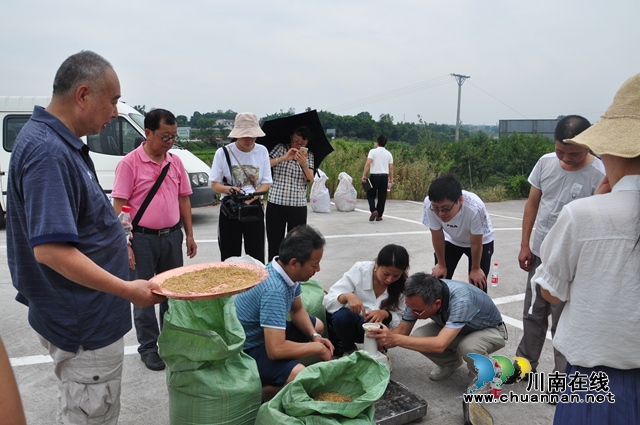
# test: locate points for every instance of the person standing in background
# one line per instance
(380, 166)
(291, 169)
(559, 177)
(157, 244)
(245, 169)
(591, 260)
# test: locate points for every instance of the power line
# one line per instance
(498, 100)
(402, 91)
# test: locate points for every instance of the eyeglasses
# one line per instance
(165, 139)
(298, 140)
(420, 313)
(442, 209)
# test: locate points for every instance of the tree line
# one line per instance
(494, 167)
(361, 126)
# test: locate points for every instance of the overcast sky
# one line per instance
(534, 59)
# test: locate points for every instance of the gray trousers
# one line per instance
(484, 342)
(88, 383)
(535, 325)
(154, 254)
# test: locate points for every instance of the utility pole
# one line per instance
(460, 79)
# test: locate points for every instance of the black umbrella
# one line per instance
(280, 130)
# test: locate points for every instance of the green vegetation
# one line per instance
(494, 168)
(211, 127)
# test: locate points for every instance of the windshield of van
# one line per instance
(139, 119)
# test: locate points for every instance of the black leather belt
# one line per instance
(157, 232)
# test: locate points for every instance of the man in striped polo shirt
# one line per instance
(274, 342)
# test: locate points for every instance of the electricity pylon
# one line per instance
(460, 79)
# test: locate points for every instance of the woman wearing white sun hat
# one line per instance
(591, 260)
(246, 168)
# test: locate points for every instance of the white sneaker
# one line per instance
(440, 373)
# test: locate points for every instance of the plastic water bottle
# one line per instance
(125, 219)
(389, 186)
(495, 388)
(494, 275)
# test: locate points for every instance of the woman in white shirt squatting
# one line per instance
(371, 291)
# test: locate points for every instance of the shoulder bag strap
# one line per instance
(150, 196)
(226, 154)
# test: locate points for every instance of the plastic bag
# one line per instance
(345, 195)
(319, 197)
(210, 379)
(357, 376)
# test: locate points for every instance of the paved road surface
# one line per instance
(350, 238)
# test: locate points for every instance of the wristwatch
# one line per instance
(314, 335)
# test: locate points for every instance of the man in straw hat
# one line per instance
(591, 260)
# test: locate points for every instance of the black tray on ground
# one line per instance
(398, 406)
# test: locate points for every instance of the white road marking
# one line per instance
(508, 299)
(133, 349)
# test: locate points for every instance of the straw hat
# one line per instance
(618, 132)
(246, 125)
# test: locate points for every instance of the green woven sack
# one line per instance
(312, 296)
(358, 376)
(210, 379)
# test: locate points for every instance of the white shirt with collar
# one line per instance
(590, 259)
(359, 281)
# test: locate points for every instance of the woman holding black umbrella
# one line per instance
(292, 169)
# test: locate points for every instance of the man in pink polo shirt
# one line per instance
(157, 243)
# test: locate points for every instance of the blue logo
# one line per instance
(498, 370)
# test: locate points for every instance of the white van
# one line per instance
(120, 137)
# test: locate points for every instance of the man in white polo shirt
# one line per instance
(459, 224)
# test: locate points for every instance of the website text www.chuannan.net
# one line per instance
(538, 398)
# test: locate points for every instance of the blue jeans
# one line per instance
(154, 254)
(348, 327)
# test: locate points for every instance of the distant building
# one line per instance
(184, 132)
(543, 127)
(225, 124)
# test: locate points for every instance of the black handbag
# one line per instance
(233, 206)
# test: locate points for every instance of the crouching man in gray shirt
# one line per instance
(464, 320)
